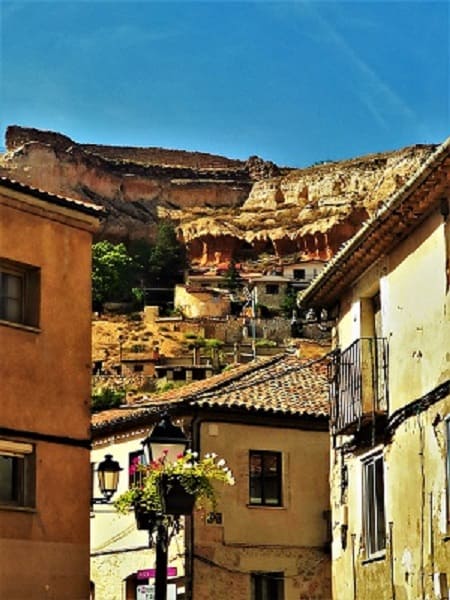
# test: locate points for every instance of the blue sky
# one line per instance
(293, 82)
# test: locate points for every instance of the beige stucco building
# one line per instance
(45, 265)
(390, 395)
(268, 538)
(196, 302)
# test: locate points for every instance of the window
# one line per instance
(373, 505)
(267, 586)
(19, 293)
(265, 478)
(299, 274)
(272, 289)
(17, 474)
(134, 460)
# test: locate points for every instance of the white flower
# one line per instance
(230, 479)
(221, 462)
(187, 465)
(194, 454)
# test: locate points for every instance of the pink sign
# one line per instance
(149, 573)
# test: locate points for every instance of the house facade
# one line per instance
(45, 313)
(268, 536)
(390, 395)
(302, 273)
(197, 301)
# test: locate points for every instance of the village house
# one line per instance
(45, 332)
(302, 273)
(269, 291)
(197, 301)
(390, 395)
(269, 536)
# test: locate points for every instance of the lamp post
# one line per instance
(108, 479)
(168, 440)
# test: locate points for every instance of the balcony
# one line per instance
(358, 384)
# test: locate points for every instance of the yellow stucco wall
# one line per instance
(288, 539)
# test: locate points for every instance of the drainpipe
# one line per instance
(353, 538)
(422, 508)
(391, 538)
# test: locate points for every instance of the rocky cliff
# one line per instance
(221, 207)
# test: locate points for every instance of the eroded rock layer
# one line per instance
(251, 210)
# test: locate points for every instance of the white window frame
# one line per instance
(374, 530)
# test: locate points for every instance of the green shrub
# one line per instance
(264, 343)
(105, 398)
(213, 343)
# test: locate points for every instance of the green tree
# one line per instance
(232, 278)
(289, 303)
(167, 259)
(140, 252)
(112, 273)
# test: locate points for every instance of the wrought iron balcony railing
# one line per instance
(358, 384)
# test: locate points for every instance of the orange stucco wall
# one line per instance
(45, 392)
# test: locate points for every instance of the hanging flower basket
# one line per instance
(175, 499)
(174, 488)
(145, 519)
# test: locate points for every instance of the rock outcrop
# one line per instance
(221, 207)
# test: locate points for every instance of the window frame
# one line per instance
(29, 297)
(267, 585)
(374, 536)
(272, 289)
(135, 477)
(299, 274)
(265, 454)
(23, 474)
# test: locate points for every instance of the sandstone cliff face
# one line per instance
(304, 214)
(222, 207)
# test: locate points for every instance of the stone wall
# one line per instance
(306, 572)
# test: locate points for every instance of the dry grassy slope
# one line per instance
(145, 335)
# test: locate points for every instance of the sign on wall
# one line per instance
(147, 592)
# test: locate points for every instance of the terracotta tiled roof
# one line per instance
(401, 212)
(282, 384)
(85, 207)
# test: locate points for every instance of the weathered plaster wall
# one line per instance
(415, 309)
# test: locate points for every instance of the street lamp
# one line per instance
(108, 479)
(165, 439)
(168, 440)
